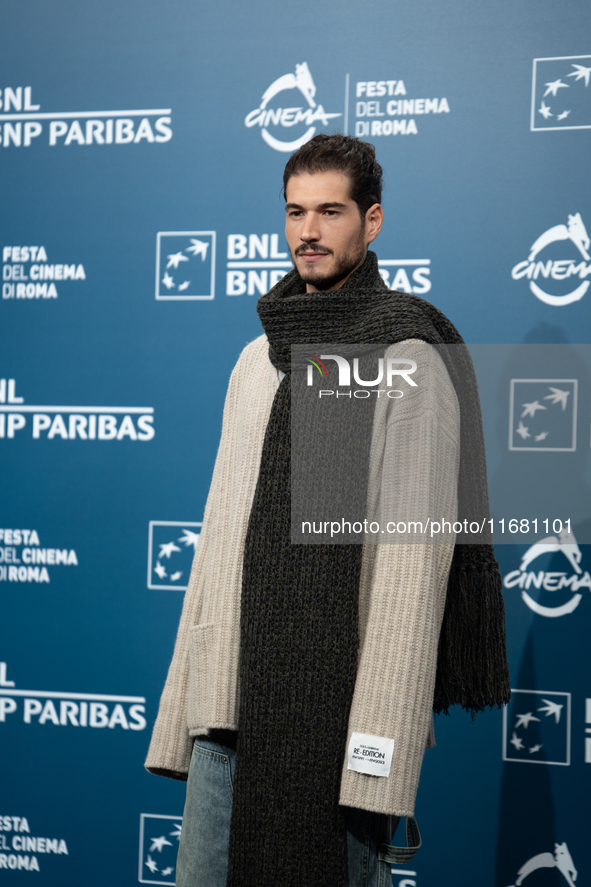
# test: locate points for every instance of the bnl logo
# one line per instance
(543, 415)
(171, 548)
(185, 265)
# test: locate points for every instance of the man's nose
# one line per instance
(310, 230)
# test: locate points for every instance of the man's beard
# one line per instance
(344, 266)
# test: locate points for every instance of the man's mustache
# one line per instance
(311, 248)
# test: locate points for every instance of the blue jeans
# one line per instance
(203, 852)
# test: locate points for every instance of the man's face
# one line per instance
(326, 236)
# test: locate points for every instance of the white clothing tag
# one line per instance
(370, 754)
(280, 374)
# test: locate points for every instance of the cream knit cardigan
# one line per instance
(402, 587)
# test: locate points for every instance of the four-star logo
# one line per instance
(561, 93)
(159, 844)
(171, 548)
(536, 727)
(543, 415)
(185, 265)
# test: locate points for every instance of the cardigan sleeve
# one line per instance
(171, 744)
(414, 466)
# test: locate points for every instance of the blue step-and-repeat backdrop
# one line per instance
(141, 151)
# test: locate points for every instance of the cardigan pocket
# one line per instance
(200, 676)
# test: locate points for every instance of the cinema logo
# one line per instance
(23, 559)
(22, 122)
(19, 849)
(382, 109)
(565, 585)
(28, 274)
(281, 120)
(542, 265)
(71, 423)
(91, 710)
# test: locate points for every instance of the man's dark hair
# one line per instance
(344, 154)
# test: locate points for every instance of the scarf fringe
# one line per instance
(472, 668)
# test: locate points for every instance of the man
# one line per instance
(291, 656)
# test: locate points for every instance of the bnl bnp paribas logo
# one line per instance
(285, 123)
(23, 124)
(558, 274)
(65, 709)
(185, 266)
(43, 422)
(561, 97)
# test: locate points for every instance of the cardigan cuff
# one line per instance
(375, 793)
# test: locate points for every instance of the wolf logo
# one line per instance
(564, 542)
(575, 231)
(560, 859)
(302, 80)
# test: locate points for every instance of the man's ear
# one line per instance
(374, 219)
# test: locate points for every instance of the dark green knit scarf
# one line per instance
(299, 607)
